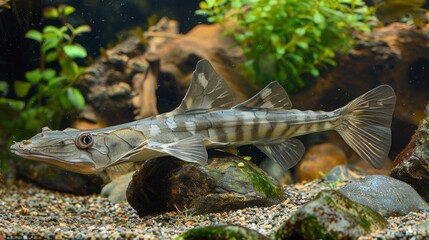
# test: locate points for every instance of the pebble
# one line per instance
(27, 211)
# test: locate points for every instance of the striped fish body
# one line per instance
(207, 118)
(241, 127)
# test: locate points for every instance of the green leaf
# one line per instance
(70, 70)
(51, 56)
(33, 76)
(54, 86)
(203, 5)
(49, 44)
(210, 3)
(21, 88)
(302, 44)
(75, 51)
(35, 35)
(50, 12)
(4, 88)
(49, 74)
(296, 58)
(12, 104)
(52, 29)
(319, 18)
(76, 98)
(314, 72)
(300, 31)
(82, 29)
(65, 102)
(63, 29)
(66, 9)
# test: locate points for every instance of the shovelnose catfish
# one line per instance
(206, 118)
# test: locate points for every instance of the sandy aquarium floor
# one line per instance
(28, 211)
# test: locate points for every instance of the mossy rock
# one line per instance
(385, 195)
(227, 182)
(330, 215)
(221, 232)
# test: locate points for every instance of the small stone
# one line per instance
(343, 173)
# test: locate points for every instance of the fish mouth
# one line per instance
(21, 151)
(79, 167)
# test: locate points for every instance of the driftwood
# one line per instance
(150, 72)
(397, 55)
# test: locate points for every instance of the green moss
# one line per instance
(359, 213)
(220, 232)
(261, 182)
(319, 219)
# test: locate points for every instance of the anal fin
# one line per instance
(287, 154)
(190, 149)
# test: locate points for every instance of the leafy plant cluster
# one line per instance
(289, 40)
(47, 92)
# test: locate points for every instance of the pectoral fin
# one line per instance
(287, 154)
(190, 149)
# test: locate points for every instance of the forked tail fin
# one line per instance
(366, 124)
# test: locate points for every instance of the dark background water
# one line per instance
(109, 20)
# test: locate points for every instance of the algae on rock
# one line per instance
(222, 232)
(330, 215)
(227, 182)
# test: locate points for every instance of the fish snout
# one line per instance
(21, 147)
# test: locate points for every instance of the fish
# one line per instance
(207, 119)
(388, 11)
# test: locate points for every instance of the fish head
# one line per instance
(85, 152)
(68, 149)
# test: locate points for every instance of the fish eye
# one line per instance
(84, 140)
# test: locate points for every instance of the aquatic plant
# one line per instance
(289, 40)
(48, 91)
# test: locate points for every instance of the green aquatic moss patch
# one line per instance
(310, 230)
(331, 215)
(221, 232)
(261, 182)
(240, 171)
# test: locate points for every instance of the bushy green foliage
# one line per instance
(46, 94)
(289, 40)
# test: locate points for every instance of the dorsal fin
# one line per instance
(272, 96)
(207, 90)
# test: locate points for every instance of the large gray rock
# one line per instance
(330, 215)
(384, 194)
(227, 182)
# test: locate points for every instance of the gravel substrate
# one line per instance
(27, 211)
